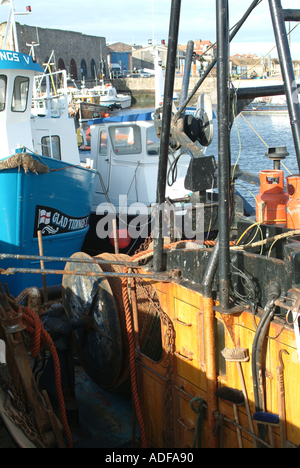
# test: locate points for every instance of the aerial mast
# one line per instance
(11, 25)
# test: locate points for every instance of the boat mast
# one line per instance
(165, 134)
(11, 25)
(223, 148)
(279, 16)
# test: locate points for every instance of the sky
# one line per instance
(137, 21)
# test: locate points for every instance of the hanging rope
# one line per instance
(39, 339)
(130, 334)
(200, 413)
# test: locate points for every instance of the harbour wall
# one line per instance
(144, 88)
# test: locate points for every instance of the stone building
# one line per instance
(82, 56)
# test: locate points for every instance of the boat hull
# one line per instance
(58, 203)
(266, 110)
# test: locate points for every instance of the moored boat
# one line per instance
(43, 184)
(109, 97)
(205, 335)
(264, 108)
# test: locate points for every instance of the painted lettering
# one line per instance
(60, 220)
(10, 56)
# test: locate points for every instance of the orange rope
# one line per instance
(132, 361)
(39, 339)
(132, 348)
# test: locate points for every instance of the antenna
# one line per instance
(32, 46)
(11, 24)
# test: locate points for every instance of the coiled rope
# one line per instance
(39, 339)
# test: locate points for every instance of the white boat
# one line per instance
(125, 152)
(44, 186)
(110, 97)
(124, 149)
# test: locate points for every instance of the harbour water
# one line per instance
(250, 138)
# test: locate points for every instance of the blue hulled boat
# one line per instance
(43, 185)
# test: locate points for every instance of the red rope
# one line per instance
(39, 339)
(132, 361)
(132, 342)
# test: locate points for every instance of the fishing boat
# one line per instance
(125, 152)
(204, 336)
(108, 96)
(86, 106)
(44, 187)
(124, 149)
(266, 108)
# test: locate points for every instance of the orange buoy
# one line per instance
(272, 199)
(293, 204)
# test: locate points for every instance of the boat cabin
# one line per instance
(31, 116)
(17, 73)
(125, 151)
(53, 131)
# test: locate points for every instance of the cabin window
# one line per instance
(51, 147)
(20, 95)
(103, 144)
(152, 142)
(3, 84)
(126, 139)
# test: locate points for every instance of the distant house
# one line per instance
(143, 57)
(204, 54)
(252, 66)
(120, 54)
(246, 66)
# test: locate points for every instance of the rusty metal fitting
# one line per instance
(13, 324)
(175, 273)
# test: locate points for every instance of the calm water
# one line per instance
(275, 130)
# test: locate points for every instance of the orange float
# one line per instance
(272, 199)
(293, 204)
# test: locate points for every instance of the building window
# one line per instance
(61, 64)
(20, 95)
(83, 69)
(93, 69)
(73, 70)
(3, 84)
(51, 147)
